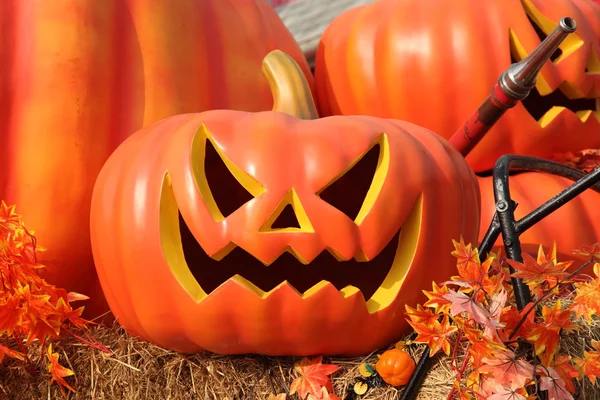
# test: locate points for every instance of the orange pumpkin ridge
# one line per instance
(240, 232)
(78, 77)
(366, 54)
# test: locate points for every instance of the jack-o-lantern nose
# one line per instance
(288, 216)
(287, 219)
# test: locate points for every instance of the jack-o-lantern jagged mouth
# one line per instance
(367, 276)
(538, 106)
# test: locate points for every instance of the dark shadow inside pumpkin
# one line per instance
(536, 104)
(347, 193)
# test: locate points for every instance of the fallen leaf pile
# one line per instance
(511, 354)
(32, 310)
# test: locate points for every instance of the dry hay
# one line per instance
(138, 370)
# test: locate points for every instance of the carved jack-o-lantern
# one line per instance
(432, 62)
(237, 232)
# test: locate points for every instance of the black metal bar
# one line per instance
(504, 223)
(510, 234)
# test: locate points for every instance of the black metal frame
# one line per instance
(505, 224)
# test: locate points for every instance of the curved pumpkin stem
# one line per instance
(291, 93)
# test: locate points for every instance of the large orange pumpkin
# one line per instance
(242, 232)
(79, 76)
(433, 62)
(571, 226)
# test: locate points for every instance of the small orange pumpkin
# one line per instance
(395, 367)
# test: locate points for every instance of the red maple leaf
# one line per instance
(313, 376)
(543, 270)
(588, 250)
(481, 346)
(6, 352)
(555, 386)
(511, 317)
(567, 371)
(324, 395)
(546, 336)
(421, 315)
(589, 365)
(436, 298)
(507, 369)
(472, 272)
(463, 303)
(435, 334)
(585, 302)
(11, 313)
(57, 371)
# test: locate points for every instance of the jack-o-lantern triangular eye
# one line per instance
(224, 187)
(355, 190)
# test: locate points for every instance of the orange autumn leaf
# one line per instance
(546, 336)
(324, 395)
(481, 346)
(6, 352)
(421, 315)
(589, 365)
(72, 296)
(543, 270)
(507, 369)
(510, 317)
(313, 377)
(463, 303)
(11, 314)
(586, 302)
(566, 370)
(30, 307)
(588, 250)
(475, 276)
(57, 371)
(558, 317)
(465, 254)
(281, 396)
(436, 298)
(8, 214)
(435, 335)
(554, 386)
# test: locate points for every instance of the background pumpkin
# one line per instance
(573, 225)
(161, 293)
(432, 62)
(79, 76)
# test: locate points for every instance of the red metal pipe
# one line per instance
(514, 85)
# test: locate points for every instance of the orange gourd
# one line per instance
(573, 225)
(239, 232)
(395, 367)
(433, 62)
(78, 77)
